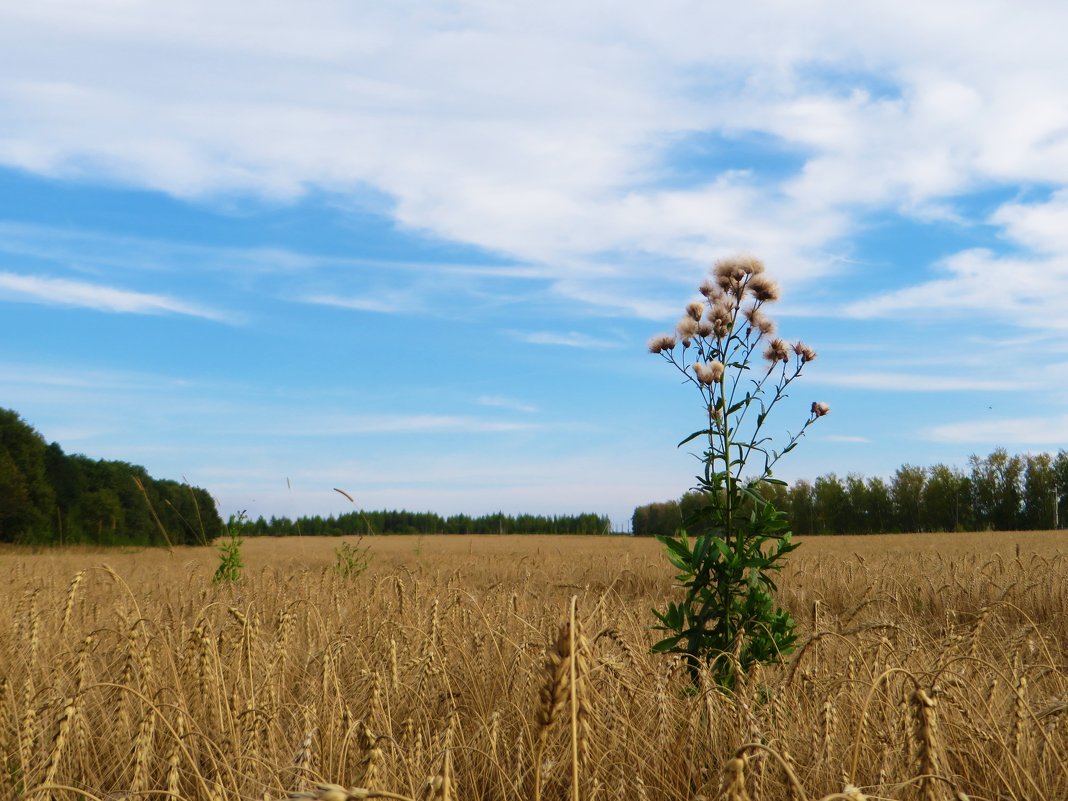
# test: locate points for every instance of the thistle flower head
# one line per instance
(705, 329)
(686, 327)
(662, 342)
(806, 353)
(732, 282)
(777, 351)
(721, 315)
(708, 373)
(763, 288)
(758, 321)
(819, 408)
(710, 289)
(738, 267)
(734, 275)
(695, 309)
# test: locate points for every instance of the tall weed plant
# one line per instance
(230, 564)
(733, 541)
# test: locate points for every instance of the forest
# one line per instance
(405, 522)
(50, 497)
(998, 492)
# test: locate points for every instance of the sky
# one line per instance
(415, 250)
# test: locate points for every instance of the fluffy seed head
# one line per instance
(662, 342)
(819, 408)
(806, 353)
(721, 315)
(759, 321)
(708, 373)
(777, 351)
(686, 327)
(695, 309)
(763, 288)
(709, 289)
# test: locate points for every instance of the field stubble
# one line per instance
(930, 667)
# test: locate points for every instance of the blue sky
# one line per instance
(416, 250)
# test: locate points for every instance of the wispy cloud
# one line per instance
(502, 402)
(845, 438)
(326, 425)
(64, 292)
(1019, 431)
(567, 339)
(1023, 290)
(911, 382)
(386, 303)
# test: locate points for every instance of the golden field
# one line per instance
(930, 666)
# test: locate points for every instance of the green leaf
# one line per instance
(694, 436)
(665, 645)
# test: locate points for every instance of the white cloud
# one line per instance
(1029, 292)
(568, 339)
(386, 303)
(845, 438)
(912, 382)
(1020, 431)
(543, 131)
(502, 402)
(536, 130)
(64, 292)
(326, 425)
(1041, 227)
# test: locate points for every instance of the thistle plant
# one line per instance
(728, 617)
(351, 560)
(230, 565)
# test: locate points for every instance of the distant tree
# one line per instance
(997, 490)
(1040, 499)
(1060, 469)
(857, 506)
(657, 519)
(25, 449)
(943, 495)
(778, 495)
(102, 511)
(880, 506)
(802, 507)
(906, 492)
(829, 500)
(16, 510)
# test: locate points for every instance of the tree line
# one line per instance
(999, 492)
(405, 522)
(50, 497)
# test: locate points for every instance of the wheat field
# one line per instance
(930, 667)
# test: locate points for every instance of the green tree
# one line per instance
(16, 510)
(906, 492)
(26, 450)
(101, 510)
(857, 507)
(1060, 470)
(997, 483)
(830, 502)
(880, 506)
(1040, 498)
(943, 495)
(802, 506)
